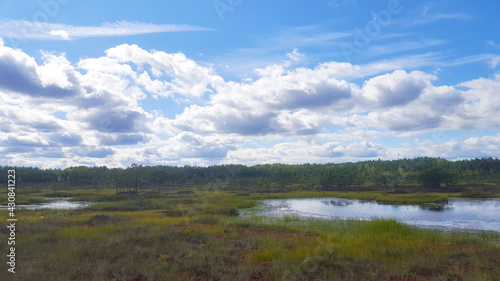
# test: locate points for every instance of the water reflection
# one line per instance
(437, 207)
(53, 203)
(338, 202)
(458, 213)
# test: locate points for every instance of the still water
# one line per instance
(53, 203)
(457, 214)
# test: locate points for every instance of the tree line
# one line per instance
(423, 172)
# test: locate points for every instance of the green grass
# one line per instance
(23, 199)
(124, 205)
(381, 197)
(197, 236)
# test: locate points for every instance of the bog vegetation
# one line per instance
(184, 223)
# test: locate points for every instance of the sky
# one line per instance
(209, 82)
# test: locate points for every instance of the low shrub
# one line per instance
(103, 219)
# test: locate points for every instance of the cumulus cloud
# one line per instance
(31, 139)
(189, 145)
(305, 101)
(90, 151)
(122, 139)
(94, 102)
(397, 88)
(186, 76)
(302, 151)
(114, 120)
(332, 112)
(473, 147)
(481, 104)
(64, 139)
(20, 73)
(275, 102)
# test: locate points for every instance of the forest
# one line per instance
(423, 173)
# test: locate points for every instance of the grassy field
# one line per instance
(178, 235)
(381, 197)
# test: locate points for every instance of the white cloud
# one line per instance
(425, 17)
(189, 145)
(338, 152)
(302, 151)
(105, 65)
(295, 56)
(406, 45)
(279, 101)
(406, 102)
(60, 33)
(21, 29)
(467, 60)
(268, 50)
(494, 62)
(186, 76)
(19, 73)
(492, 43)
(94, 103)
(397, 88)
(337, 3)
(482, 104)
(474, 147)
(57, 71)
(333, 112)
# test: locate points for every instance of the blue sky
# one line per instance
(238, 81)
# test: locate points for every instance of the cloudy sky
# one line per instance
(203, 82)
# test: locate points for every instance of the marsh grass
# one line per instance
(23, 199)
(381, 197)
(124, 205)
(197, 236)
